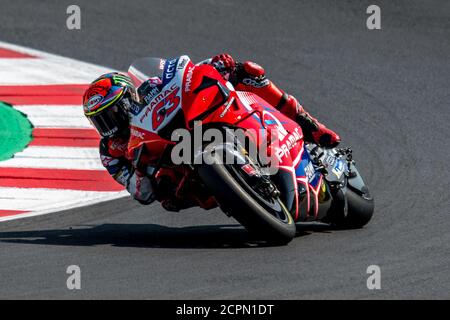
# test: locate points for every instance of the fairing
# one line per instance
(201, 94)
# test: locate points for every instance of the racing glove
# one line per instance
(141, 188)
(224, 63)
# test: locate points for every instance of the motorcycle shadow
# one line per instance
(149, 236)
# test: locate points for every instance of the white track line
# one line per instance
(44, 199)
(68, 199)
(64, 116)
(59, 111)
(58, 152)
(56, 158)
(41, 121)
(25, 71)
(75, 71)
(58, 122)
(78, 164)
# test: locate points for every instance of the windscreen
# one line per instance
(145, 68)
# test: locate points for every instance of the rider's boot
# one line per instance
(313, 130)
(251, 77)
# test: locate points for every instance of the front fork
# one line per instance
(338, 170)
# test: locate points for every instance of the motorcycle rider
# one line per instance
(110, 97)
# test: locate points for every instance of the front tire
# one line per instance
(268, 218)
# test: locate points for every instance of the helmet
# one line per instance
(107, 101)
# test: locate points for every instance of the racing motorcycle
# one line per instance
(310, 183)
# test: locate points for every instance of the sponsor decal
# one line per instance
(163, 104)
(118, 144)
(187, 86)
(227, 107)
(154, 81)
(131, 106)
(255, 83)
(330, 160)
(136, 133)
(163, 95)
(291, 141)
(338, 169)
(270, 118)
(150, 95)
(162, 63)
(182, 63)
(93, 101)
(169, 70)
(108, 161)
(147, 111)
(123, 176)
(135, 108)
(249, 170)
(112, 131)
(310, 172)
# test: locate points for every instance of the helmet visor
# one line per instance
(111, 122)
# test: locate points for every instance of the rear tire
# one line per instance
(351, 210)
(359, 209)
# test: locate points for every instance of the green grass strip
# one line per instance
(15, 131)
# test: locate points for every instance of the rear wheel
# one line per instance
(351, 209)
(359, 209)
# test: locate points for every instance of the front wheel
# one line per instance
(260, 213)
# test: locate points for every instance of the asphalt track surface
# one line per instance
(386, 92)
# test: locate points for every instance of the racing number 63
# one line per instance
(164, 108)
